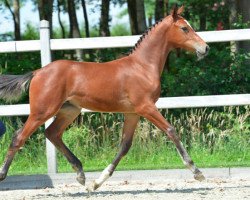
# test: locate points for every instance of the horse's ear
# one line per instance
(174, 12)
(180, 10)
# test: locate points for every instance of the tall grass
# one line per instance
(213, 137)
(31, 158)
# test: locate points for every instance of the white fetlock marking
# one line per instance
(104, 176)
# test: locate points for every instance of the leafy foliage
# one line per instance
(221, 72)
(211, 11)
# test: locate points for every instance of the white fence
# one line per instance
(45, 45)
(113, 42)
(164, 102)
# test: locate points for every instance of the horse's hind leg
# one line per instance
(130, 123)
(18, 141)
(54, 133)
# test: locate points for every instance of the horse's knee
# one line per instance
(172, 134)
(17, 140)
(171, 131)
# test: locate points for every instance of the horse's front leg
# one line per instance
(151, 113)
(130, 123)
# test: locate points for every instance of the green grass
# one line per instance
(161, 158)
(213, 139)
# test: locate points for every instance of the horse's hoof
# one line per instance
(92, 187)
(81, 179)
(199, 176)
(2, 176)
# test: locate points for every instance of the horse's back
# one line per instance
(95, 86)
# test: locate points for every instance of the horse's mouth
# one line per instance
(201, 55)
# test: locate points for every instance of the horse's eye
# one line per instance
(185, 29)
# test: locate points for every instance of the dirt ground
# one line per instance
(188, 189)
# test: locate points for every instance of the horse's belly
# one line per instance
(107, 104)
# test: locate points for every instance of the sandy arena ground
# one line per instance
(188, 189)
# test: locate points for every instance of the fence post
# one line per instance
(46, 59)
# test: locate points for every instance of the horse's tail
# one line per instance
(13, 86)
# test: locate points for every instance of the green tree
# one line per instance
(74, 27)
(45, 8)
(206, 15)
(14, 9)
(86, 20)
(136, 11)
(60, 9)
(159, 9)
(104, 19)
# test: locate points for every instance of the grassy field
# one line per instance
(214, 138)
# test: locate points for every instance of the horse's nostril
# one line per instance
(207, 48)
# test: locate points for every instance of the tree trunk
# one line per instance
(16, 7)
(166, 4)
(87, 33)
(232, 5)
(141, 19)
(45, 8)
(244, 9)
(73, 23)
(86, 20)
(150, 19)
(16, 17)
(203, 21)
(74, 28)
(59, 3)
(137, 19)
(104, 21)
(159, 9)
(132, 16)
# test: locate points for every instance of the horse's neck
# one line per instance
(154, 48)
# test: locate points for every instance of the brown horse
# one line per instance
(130, 85)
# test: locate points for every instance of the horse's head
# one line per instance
(182, 35)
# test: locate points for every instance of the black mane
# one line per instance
(143, 36)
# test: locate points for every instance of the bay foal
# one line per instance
(130, 85)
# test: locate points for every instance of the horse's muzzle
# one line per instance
(201, 53)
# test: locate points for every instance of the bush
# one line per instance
(221, 72)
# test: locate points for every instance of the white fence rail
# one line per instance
(113, 42)
(118, 42)
(164, 102)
